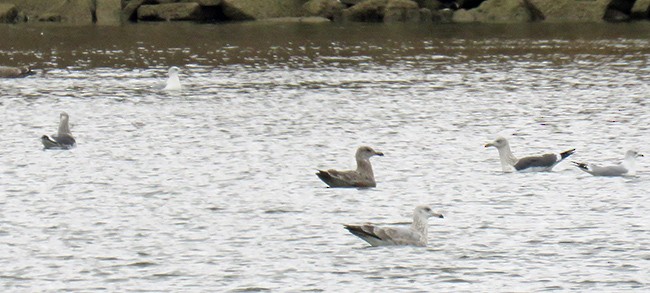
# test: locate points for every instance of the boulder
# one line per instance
(330, 9)
(401, 11)
(502, 11)
(108, 12)
(8, 13)
(79, 12)
(641, 9)
(367, 11)
(129, 12)
(261, 9)
(570, 10)
(442, 16)
(464, 15)
(171, 11)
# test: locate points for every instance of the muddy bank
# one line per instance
(115, 12)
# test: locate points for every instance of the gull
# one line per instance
(63, 140)
(361, 177)
(626, 168)
(415, 235)
(544, 162)
(173, 82)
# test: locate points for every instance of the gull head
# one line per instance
(64, 117)
(498, 143)
(365, 152)
(426, 212)
(632, 154)
(173, 70)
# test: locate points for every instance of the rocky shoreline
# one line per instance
(116, 12)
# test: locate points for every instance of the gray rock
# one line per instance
(261, 9)
(367, 11)
(78, 12)
(401, 11)
(8, 13)
(108, 12)
(171, 11)
(570, 10)
(503, 11)
(464, 15)
(330, 9)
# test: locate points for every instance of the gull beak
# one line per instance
(379, 154)
(639, 155)
(438, 215)
(489, 145)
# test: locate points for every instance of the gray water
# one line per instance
(213, 188)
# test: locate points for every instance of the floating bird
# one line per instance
(13, 72)
(540, 163)
(173, 82)
(415, 235)
(361, 177)
(626, 168)
(63, 140)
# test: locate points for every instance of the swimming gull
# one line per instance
(12, 72)
(415, 235)
(627, 168)
(544, 162)
(173, 82)
(63, 140)
(361, 177)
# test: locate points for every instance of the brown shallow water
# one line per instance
(212, 188)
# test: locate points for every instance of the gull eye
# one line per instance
(428, 210)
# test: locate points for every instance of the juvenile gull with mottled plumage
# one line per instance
(63, 140)
(415, 235)
(361, 177)
(544, 162)
(626, 168)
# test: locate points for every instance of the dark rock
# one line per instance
(641, 9)
(171, 11)
(613, 15)
(8, 13)
(129, 12)
(351, 2)
(442, 16)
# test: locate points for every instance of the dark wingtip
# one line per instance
(565, 154)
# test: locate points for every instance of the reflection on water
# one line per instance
(214, 186)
